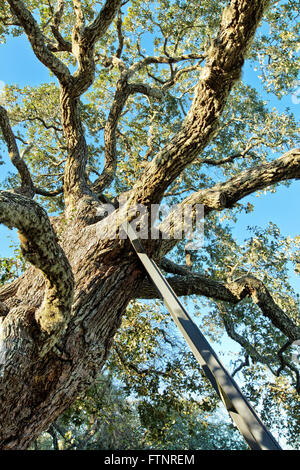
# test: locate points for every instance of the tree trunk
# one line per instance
(35, 388)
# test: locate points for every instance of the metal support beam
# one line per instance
(257, 436)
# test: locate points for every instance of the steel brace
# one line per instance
(257, 436)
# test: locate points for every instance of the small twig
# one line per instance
(243, 364)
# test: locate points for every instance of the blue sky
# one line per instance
(18, 64)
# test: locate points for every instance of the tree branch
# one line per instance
(45, 193)
(235, 336)
(243, 364)
(84, 40)
(75, 178)
(233, 292)
(37, 42)
(284, 168)
(123, 91)
(42, 121)
(145, 89)
(40, 247)
(284, 363)
(62, 44)
(225, 195)
(120, 35)
(27, 187)
(224, 60)
(99, 26)
(163, 60)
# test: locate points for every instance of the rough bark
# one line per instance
(75, 181)
(37, 386)
(40, 247)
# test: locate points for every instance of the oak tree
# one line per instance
(146, 100)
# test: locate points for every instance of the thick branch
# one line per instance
(120, 35)
(192, 284)
(284, 168)
(46, 193)
(98, 28)
(40, 247)
(222, 69)
(225, 195)
(145, 89)
(84, 40)
(62, 44)
(75, 178)
(234, 292)
(249, 285)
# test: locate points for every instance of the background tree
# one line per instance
(105, 419)
(147, 100)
